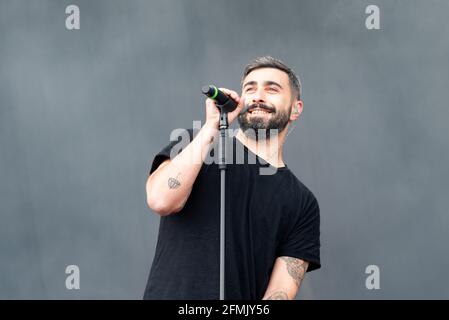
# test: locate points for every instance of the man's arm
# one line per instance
(285, 278)
(169, 186)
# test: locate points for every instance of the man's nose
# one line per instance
(258, 96)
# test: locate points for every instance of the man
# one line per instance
(272, 220)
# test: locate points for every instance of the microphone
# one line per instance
(224, 101)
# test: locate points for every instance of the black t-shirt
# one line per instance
(267, 216)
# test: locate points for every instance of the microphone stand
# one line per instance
(222, 167)
(225, 104)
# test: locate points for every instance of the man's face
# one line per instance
(267, 100)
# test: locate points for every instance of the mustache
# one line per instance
(249, 107)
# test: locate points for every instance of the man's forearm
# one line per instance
(286, 277)
(277, 295)
(169, 187)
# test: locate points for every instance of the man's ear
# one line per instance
(297, 109)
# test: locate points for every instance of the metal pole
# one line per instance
(222, 235)
(222, 167)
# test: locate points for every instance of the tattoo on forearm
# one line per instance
(174, 183)
(295, 268)
(278, 295)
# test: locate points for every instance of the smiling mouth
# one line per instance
(259, 111)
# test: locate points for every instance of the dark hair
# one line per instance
(270, 62)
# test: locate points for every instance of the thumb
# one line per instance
(210, 104)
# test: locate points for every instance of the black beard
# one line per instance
(251, 126)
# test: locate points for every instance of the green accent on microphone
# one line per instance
(215, 94)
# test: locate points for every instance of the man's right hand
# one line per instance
(213, 112)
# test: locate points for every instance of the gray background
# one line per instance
(82, 113)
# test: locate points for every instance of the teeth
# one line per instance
(259, 112)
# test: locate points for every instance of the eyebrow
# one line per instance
(265, 83)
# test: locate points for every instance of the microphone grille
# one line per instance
(206, 89)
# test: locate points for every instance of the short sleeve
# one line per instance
(303, 240)
(165, 153)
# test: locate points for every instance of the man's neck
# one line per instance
(269, 150)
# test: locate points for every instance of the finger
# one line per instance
(210, 103)
(241, 102)
(234, 95)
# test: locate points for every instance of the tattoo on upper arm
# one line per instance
(278, 295)
(296, 268)
(174, 183)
